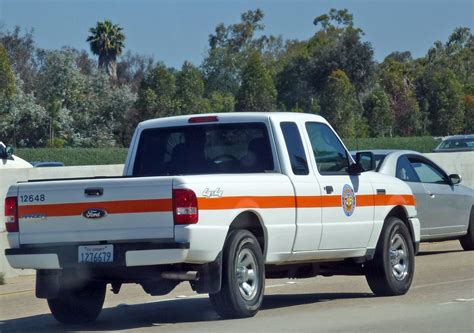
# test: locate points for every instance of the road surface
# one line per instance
(441, 299)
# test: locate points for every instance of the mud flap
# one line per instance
(210, 277)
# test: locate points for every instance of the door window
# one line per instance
(405, 171)
(427, 172)
(330, 155)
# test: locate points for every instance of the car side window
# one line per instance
(427, 172)
(294, 146)
(405, 171)
(330, 155)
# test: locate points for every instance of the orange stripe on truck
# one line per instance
(112, 207)
(237, 202)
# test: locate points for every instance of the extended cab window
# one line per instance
(330, 155)
(294, 145)
(204, 149)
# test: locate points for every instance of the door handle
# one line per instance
(94, 192)
(329, 189)
(432, 195)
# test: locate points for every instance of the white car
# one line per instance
(10, 161)
(222, 201)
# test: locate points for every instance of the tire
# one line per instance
(467, 241)
(78, 305)
(391, 271)
(243, 277)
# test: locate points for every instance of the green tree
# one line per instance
(107, 41)
(257, 92)
(378, 113)
(7, 78)
(397, 79)
(339, 105)
(190, 90)
(220, 102)
(156, 97)
(444, 98)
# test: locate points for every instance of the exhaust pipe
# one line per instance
(183, 276)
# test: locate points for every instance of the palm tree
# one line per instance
(107, 41)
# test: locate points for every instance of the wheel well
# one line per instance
(401, 213)
(251, 222)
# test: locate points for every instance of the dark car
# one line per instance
(456, 143)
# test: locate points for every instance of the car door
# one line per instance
(347, 209)
(441, 208)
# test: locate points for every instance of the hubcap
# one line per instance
(247, 274)
(399, 257)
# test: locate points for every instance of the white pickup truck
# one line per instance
(222, 201)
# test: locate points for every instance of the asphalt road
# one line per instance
(441, 299)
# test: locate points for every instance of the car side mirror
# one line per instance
(455, 179)
(6, 152)
(366, 160)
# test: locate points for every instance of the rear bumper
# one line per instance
(125, 255)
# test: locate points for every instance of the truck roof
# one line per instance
(231, 117)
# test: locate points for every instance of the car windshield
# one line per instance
(204, 149)
(464, 143)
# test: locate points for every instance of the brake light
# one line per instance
(185, 207)
(11, 214)
(203, 119)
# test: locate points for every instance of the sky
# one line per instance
(175, 31)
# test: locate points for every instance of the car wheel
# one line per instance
(391, 271)
(467, 241)
(243, 277)
(79, 304)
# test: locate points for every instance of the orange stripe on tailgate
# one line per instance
(246, 202)
(112, 207)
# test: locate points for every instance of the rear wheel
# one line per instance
(467, 241)
(391, 271)
(243, 277)
(78, 304)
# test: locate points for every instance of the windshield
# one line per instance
(204, 149)
(457, 144)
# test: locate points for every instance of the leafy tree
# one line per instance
(444, 97)
(107, 41)
(378, 113)
(220, 102)
(339, 104)
(156, 97)
(132, 68)
(7, 78)
(20, 47)
(60, 79)
(397, 79)
(257, 92)
(400, 56)
(190, 90)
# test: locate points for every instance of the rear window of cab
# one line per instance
(204, 149)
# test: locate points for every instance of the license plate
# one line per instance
(96, 253)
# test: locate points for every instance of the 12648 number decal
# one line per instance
(32, 198)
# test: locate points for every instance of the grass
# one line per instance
(97, 156)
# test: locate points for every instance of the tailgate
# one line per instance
(91, 210)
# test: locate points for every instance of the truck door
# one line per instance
(347, 201)
(306, 187)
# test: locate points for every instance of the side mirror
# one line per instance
(9, 151)
(366, 160)
(6, 152)
(455, 179)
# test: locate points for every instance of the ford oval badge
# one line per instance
(94, 213)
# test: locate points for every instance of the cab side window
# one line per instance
(295, 149)
(405, 171)
(330, 155)
(427, 172)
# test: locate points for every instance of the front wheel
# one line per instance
(243, 277)
(391, 271)
(467, 241)
(78, 304)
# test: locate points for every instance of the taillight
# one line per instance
(11, 214)
(185, 206)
